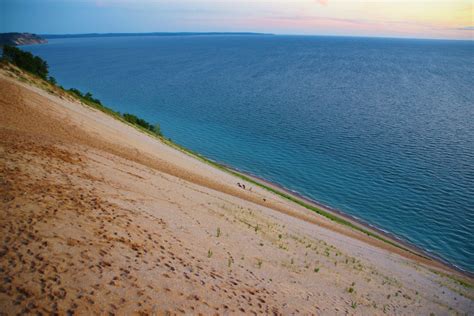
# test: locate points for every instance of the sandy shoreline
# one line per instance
(358, 222)
(98, 217)
(405, 245)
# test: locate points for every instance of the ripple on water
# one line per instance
(373, 127)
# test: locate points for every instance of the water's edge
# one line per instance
(340, 121)
(362, 225)
(387, 186)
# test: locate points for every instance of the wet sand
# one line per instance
(99, 218)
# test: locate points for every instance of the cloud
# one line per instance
(321, 18)
(466, 28)
(322, 2)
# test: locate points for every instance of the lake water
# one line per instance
(381, 129)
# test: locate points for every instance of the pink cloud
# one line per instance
(322, 2)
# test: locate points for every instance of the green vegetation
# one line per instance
(38, 67)
(460, 281)
(86, 97)
(291, 198)
(26, 61)
(52, 80)
(142, 123)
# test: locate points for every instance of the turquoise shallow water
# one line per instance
(381, 129)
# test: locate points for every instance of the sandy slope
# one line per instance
(97, 217)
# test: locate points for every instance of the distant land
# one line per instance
(20, 39)
(52, 36)
(95, 205)
(29, 38)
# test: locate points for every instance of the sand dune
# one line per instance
(100, 218)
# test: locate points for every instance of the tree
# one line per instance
(26, 61)
(157, 129)
(76, 92)
(135, 120)
(52, 80)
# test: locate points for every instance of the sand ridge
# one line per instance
(100, 218)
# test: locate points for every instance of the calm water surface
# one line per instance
(380, 129)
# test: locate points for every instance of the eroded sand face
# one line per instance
(99, 218)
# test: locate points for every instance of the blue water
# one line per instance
(382, 129)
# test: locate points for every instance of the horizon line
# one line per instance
(191, 33)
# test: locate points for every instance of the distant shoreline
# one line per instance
(161, 34)
(173, 230)
(358, 222)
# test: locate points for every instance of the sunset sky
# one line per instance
(452, 19)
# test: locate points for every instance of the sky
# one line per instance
(448, 19)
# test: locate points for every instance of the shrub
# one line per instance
(88, 97)
(76, 92)
(157, 129)
(26, 61)
(135, 120)
(37, 66)
(52, 80)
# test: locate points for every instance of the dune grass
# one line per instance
(329, 215)
(155, 131)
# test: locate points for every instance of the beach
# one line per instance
(99, 217)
